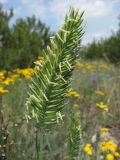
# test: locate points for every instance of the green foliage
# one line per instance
(21, 137)
(112, 48)
(74, 136)
(21, 43)
(108, 49)
(93, 50)
(50, 82)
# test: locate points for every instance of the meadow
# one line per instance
(62, 106)
(95, 93)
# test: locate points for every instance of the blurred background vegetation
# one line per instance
(20, 46)
(23, 42)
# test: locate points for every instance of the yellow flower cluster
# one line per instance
(102, 106)
(2, 90)
(11, 79)
(107, 148)
(113, 156)
(108, 145)
(2, 75)
(87, 66)
(100, 93)
(13, 76)
(78, 64)
(88, 149)
(93, 66)
(109, 157)
(27, 72)
(103, 130)
(116, 154)
(7, 78)
(72, 93)
(39, 60)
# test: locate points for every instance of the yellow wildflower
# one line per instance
(41, 58)
(102, 106)
(108, 146)
(109, 157)
(72, 93)
(80, 65)
(104, 129)
(88, 149)
(2, 90)
(27, 72)
(1, 75)
(104, 132)
(15, 76)
(8, 81)
(100, 93)
(89, 66)
(116, 154)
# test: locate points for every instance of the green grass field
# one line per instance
(93, 83)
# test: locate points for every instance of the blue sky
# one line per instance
(100, 15)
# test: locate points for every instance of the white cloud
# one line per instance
(58, 8)
(3, 1)
(93, 8)
(98, 34)
(31, 1)
(37, 8)
(30, 7)
(25, 1)
(96, 8)
(116, 1)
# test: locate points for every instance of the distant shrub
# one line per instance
(105, 48)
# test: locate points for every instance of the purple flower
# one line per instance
(94, 79)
